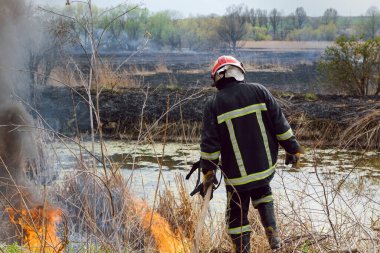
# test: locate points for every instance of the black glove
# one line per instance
(293, 159)
(209, 180)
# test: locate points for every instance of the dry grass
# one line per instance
(139, 71)
(364, 132)
(194, 71)
(183, 213)
(161, 67)
(258, 238)
(108, 78)
(251, 65)
(285, 45)
(316, 216)
(179, 211)
(60, 76)
(329, 225)
(103, 214)
(175, 131)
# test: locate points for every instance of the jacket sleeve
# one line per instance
(282, 129)
(210, 145)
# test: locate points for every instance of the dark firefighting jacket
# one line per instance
(244, 125)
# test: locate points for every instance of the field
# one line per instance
(94, 161)
(101, 118)
(285, 45)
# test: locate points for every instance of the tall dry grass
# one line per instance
(185, 131)
(101, 214)
(315, 213)
(70, 75)
(364, 131)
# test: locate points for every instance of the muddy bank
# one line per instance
(121, 112)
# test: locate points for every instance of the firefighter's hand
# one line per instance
(293, 159)
(209, 180)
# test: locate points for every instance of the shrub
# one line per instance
(352, 65)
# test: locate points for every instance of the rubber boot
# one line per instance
(273, 238)
(242, 242)
(266, 211)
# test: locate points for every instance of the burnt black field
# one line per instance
(181, 82)
(286, 70)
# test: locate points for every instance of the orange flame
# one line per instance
(39, 228)
(166, 240)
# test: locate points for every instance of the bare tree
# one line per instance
(252, 17)
(233, 26)
(46, 49)
(301, 17)
(275, 19)
(262, 17)
(330, 16)
(372, 25)
(293, 20)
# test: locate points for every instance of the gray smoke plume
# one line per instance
(14, 27)
(16, 146)
(17, 155)
(20, 150)
(16, 125)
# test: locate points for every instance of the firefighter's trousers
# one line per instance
(238, 204)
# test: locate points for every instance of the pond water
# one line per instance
(338, 179)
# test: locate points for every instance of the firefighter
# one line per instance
(244, 125)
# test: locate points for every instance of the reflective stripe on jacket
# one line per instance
(244, 124)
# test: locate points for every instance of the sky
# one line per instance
(205, 7)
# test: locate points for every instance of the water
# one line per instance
(339, 180)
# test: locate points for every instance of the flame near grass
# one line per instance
(38, 228)
(166, 240)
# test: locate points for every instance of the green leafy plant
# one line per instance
(13, 248)
(352, 65)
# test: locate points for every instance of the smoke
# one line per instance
(16, 147)
(17, 151)
(14, 28)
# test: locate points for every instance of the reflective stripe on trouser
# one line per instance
(262, 200)
(238, 207)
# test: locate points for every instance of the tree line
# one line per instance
(127, 27)
(351, 65)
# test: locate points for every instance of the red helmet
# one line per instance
(223, 61)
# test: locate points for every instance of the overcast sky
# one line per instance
(204, 7)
